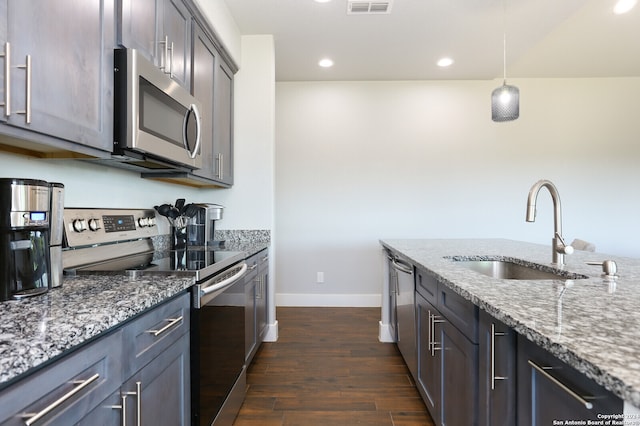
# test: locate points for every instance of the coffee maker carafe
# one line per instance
(24, 238)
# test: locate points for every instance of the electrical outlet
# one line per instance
(320, 277)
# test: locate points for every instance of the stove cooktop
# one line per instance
(200, 263)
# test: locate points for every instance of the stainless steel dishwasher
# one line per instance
(402, 274)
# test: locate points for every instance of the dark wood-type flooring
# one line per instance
(328, 368)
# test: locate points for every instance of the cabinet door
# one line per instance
(429, 361)
(550, 390)
(138, 27)
(161, 31)
(62, 69)
(496, 373)
(159, 394)
(459, 376)
(223, 124)
(202, 79)
(176, 29)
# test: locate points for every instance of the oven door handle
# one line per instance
(224, 283)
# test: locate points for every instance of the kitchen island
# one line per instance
(591, 324)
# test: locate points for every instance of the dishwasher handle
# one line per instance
(400, 266)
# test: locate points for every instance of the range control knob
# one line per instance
(94, 224)
(151, 221)
(142, 222)
(79, 225)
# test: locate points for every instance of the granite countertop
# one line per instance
(38, 330)
(592, 324)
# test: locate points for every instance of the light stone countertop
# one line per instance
(592, 324)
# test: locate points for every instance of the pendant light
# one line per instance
(505, 100)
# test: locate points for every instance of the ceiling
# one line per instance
(545, 38)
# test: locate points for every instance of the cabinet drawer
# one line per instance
(427, 286)
(550, 390)
(459, 311)
(146, 337)
(62, 393)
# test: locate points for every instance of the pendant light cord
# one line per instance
(504, 42)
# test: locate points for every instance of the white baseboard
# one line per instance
(272, 332)
(384, 333)
(329, 300)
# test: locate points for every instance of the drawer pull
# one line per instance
(172, 322)
(562, 386)
(32, 418)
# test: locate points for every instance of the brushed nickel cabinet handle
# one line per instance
(561, 385)
(494, 334)
(171, 61)
(7, 79)
(138, 394)
(435, 320)
(165, 57)
(33, 418)
(220, 166)
(123, 407)
(172, 322)
(27, 109)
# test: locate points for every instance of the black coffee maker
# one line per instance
(24, 238)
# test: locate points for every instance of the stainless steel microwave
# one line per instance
(157, 122)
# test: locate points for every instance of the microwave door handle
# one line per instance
(193, 109)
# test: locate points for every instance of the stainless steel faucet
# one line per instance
(558, 247)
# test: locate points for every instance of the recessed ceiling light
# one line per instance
(445, 62)
(624, 6)
(322, 1)
(325, 63)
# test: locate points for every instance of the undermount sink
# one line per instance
(509, 270)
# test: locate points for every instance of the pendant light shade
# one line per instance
(505, 100)
(505, 103)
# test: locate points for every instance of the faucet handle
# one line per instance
(567, 249)
(563, 247)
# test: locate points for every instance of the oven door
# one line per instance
(154, 115)
(218, 376)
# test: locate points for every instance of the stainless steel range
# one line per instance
(120, 241)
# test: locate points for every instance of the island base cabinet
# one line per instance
(551, 391)
(496, 373)
(447, 370)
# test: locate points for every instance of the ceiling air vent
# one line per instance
(368, 7)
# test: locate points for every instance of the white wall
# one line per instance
(360, 161)
(219, 18)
